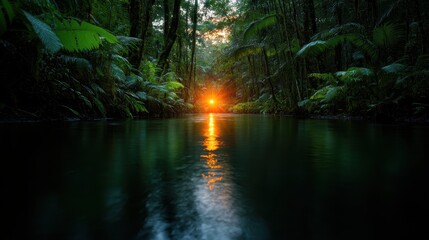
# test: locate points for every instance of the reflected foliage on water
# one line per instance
(214, 176)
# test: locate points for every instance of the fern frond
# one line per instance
(49, 39)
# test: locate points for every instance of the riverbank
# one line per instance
(27, 118)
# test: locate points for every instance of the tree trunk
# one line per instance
(171, 36)
(312, 15)
(421, 26)
(140, 22)
(356, 8)
(194, 43)
(166, 20)
(268, 75)
(339, 48)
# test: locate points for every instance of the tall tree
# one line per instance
(140, 21)
(192, 70)
(171, 36)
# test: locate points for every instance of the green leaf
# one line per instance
(126, 44)
(6, 16)
(174, 85)
(142, 95)
(118, 73)
(71, 110)
(82, 36)
(294, 46)
(244, 51)
(99, 106)
(354, 74)
(332, 93)
(320, 94)
(394, 68)
(256, 26)
(10, 13)
(348, 28)
(328, 77)
(49, 39)
(312, 49)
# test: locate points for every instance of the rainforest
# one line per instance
(214, 119)
(130, 59)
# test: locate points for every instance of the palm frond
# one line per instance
(333, 93)
(244, 51)
(121, 61)
(254, 27)
(348, 28)
(45, 33)
(388, 35)
(100, 106)
(82, 36)
(313, 48)
(320, 94)
(394, 68)
(327, 94)
(365, 45)
(118, 73)
(126, 43)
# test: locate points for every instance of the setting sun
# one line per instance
(211, 101)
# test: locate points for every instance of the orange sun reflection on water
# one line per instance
(211, 144)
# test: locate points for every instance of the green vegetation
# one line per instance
(366, 58)
(131, 58)
(74, 59)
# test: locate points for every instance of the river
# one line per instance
(214, 176)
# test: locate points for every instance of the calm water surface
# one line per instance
(214, 176)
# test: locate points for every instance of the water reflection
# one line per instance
(216, 197)
(211, 144)
(214, 177)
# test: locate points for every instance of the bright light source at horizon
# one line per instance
(211, 101)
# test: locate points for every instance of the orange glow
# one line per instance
(211, 101)
(211, 144)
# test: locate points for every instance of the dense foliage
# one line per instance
(367, 58)
(62, 59)
(128, 58)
